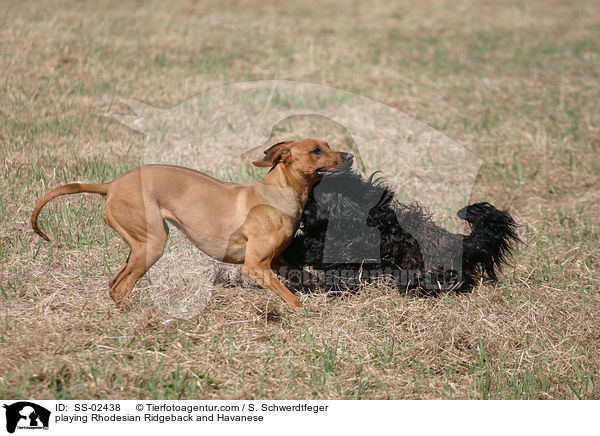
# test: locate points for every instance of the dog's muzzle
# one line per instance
(347, 159)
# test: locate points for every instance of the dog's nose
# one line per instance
(347, 157)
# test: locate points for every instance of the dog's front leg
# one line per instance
(257, 266)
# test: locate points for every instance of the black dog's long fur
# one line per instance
(338, 242)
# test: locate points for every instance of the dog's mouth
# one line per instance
(345, 165)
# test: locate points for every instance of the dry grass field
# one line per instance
(516, 82)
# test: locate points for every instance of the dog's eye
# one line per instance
(316, 151)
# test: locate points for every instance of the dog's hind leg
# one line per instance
(146, 234)
(114, 278)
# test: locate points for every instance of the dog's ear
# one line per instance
(273, 155)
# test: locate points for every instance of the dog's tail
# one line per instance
(71, 188)
(493, 236)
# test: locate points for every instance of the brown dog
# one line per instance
(244, 224)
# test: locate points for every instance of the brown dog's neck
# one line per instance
(282, 177)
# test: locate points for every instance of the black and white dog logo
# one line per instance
(26, 415)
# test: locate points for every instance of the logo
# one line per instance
(26, 415)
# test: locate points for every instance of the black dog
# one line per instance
(352, 232)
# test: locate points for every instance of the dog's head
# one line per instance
(312, 158)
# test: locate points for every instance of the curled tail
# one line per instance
(71, 188)
(494, 233)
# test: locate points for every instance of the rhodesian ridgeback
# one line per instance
(242, 224)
